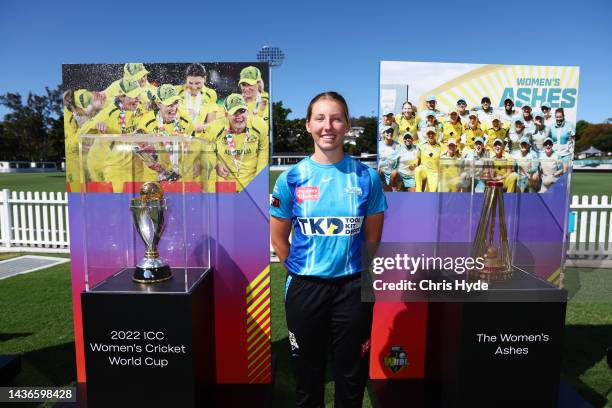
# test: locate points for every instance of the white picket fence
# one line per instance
(38, 222)
(33, 222)
(590, 243)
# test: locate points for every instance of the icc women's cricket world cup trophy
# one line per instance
(148, 213)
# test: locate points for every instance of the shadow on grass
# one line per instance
(585, 346)
(283, 384)
(56, 363)
(9, 336)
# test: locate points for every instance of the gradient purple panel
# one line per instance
(533, 220)
(104, 237)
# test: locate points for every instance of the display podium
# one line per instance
(496, 347)
(507, 350)
(147, 307)
(504, 346)
(154, 345)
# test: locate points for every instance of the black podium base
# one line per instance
(149, 344)
(10, 366)
(503, 352)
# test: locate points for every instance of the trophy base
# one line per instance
(152, 274)
(491, 275)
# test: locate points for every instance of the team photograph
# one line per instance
(455, 132)
(205, 124)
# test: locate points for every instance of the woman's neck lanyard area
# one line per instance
(231, 143)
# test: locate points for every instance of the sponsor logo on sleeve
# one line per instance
(307, 194)
(275, 202)
(330, 226)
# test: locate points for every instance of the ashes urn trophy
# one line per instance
(496, 252)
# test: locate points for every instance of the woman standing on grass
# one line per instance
(335, 205)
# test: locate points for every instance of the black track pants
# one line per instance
(322, 313)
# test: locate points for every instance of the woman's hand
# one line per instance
(222, 171)
(101, 127)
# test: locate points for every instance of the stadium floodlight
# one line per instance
(274, 56)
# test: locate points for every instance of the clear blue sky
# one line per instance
(328, 45)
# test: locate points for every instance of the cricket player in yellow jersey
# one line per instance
(249, 82)
(240, 141)
(132, 71)
(452, 128)
(502, 166)
(476, 166)
(471, 131)
(431, 121)
(409, 121)
(163, 163)
(197, 100)
(79, 107)
(450, 167)
(429, 158)
(496, 131)
(262, 91)
(108, 161)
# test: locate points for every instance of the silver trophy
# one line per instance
(150, 156)
(148, 214)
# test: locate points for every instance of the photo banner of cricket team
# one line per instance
(193, 100)
(122, 123)
(448, 127)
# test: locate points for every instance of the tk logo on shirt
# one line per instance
(330, 226)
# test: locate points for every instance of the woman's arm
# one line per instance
(373, 232)
(374, 227)
(280, 228)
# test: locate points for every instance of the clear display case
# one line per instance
(145, 214)
(512, 212)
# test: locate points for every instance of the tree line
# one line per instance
(598, 135)
(290, 135)
(33, 130)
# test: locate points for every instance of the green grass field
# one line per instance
(36, 319)
(582, 183)
(33, 181)
(37, 323)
